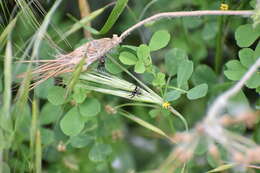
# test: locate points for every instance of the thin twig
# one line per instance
(185, 13)
(221, 101)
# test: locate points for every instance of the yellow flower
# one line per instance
(166, 105)
(223, 6)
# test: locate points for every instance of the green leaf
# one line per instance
(42, 90)
(81, 141)
(173, 58)
(159, 80)
(246, 57)
(91, 107)
(99, 152)
(111, 67)
(235, 70)
(204, 74)
(47, 136)
(197, 92)
(246, 35)
(49, 113)
(254, 81)
(210, 30)
(56, 95)
(112, 18)
(72, 123)
(154, 113)
(192, 22)
(159, 40)
(257, 51)
(184, 72)
(143, 52)
(79, 94)
(139, 67)
(128, 58)
(172, 95)
(222, 168)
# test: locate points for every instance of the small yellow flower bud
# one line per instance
(166, 105)
(223, 6)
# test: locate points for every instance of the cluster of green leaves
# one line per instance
(176, 63)
(171, 66)
(247, 56)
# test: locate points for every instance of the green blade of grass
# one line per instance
(78, 25)
(43, 29)
(75, 76)
(33, 131)
(117, 10)
(222, 168)
(6, 32)
(7, 95)
(38, 153)
(145, 124)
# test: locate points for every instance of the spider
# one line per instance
(136, 92)
(101, 64)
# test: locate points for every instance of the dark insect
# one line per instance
(101, 64)
(136, 92)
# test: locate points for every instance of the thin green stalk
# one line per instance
(219, 45)
(38, 153)
(178, 89)
(179, 116)
(7, 96)
(135, 104)
(33, 131)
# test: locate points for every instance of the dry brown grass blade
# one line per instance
(85, 11)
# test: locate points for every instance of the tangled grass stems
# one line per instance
(123, 88)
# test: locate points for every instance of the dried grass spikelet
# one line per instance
(65, 63)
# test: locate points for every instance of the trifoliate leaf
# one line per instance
(159, 80)
(246, 35)
(56, 95)
(111, 67)
(197, 92)
(235, 70)
(159, 40)
(246, 57)
(72, 123)
(90, 107)
(173, 58)
(184, 72)
(49, 113)
(81, 141)
(139, 67)
(143, 52)
(172, 95)
(204, 74)
(128, 58)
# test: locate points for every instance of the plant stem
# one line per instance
(219, 45)
(135, 104)
(178, 89)
(179, 116)
(38, 152)
(183, 14)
